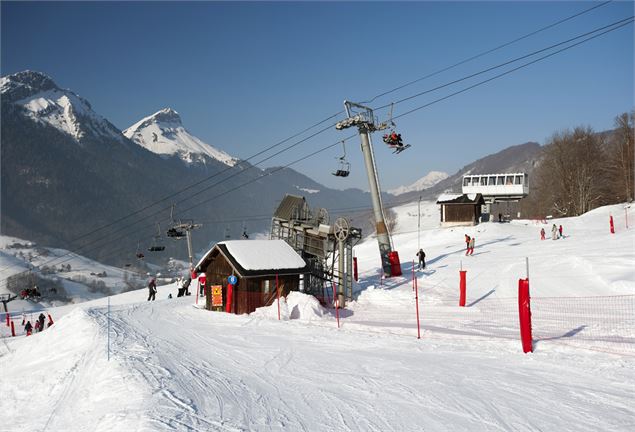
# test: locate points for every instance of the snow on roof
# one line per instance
(262, 254)
(452, 196)
(448, 197)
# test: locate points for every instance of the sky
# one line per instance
(247, 75)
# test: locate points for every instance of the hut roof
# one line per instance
(448, 198)
(256, 257)
(292, 207)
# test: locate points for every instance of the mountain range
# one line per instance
(71, 179)
(67, 171)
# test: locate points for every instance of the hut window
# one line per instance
(519, 179)
(475, 181)
(265, 286)
(492, 180)
(466, 181)
(483, 181)
(500, 180)
(509, 180)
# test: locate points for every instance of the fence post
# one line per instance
(462, 284)
(336, 304)
(278, 294)
(108, 328)
(417, 303)
(524, 315)
(611, 224)
(12, 329)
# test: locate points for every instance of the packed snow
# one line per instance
(171, 365)
(164, 134)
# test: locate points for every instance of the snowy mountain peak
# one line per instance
(44, 102)
(22, 84)
(429, 180)
(163, 133)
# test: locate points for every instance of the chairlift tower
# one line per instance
(365, 122)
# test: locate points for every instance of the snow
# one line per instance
(67, 112)
(262, 254)
(175, 366)
(309, 191)
(425, 182)
(162, 133)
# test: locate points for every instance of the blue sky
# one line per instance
(246, 75)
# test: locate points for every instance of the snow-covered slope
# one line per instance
(163, 133)
(181, 368)
(44, 102)
(429, 180)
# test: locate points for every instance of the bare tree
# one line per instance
(570, 178)
(622, 156)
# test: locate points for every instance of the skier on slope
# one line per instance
(28, 328)
(40, 321)
(422, 259)
(152, 289)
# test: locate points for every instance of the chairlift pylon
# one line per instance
(344, 168)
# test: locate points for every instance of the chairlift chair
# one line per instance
(344, 168)
(139, 254)
(156, 246)
(175, 231)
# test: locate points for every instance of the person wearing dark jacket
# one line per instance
(40, 320)
(152, 289)
(422, 259)
(28, 328)
(186, 286)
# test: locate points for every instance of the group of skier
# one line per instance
(38, 326)
(556, 233)
(182, 283)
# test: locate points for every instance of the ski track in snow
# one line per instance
(175, 367)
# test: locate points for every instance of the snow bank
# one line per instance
(297, 306)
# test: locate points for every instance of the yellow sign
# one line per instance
(217, 295)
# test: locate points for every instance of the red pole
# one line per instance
(336, 304)
(50, 320)
(524, 314)
(7, 315)
(12, 329)
(413, 275)
(417, 302)
(230, 295)
(611, 224)
(278, 291)
(355, 268)
(462, 284)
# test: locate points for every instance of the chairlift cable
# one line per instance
(623, 23)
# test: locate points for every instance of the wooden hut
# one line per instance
(460, 209)
(256, 265)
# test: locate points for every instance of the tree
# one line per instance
(621, 157)
(570, 179)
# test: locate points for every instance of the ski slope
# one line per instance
(174, 366)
